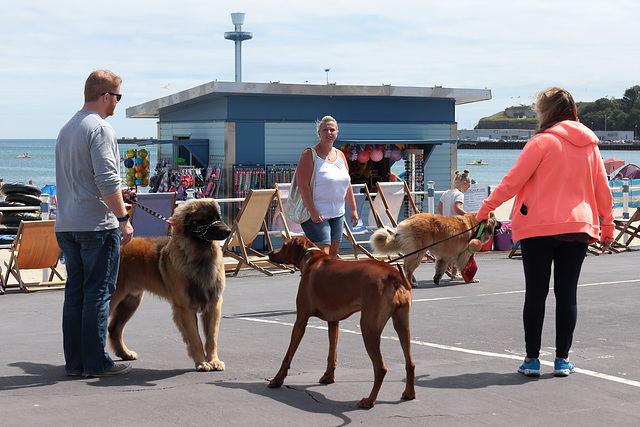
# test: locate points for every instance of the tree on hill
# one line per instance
(613, 114)
(602, 114)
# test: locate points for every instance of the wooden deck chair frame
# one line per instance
(143, 223)
(628, 230)
(35, 247)
(246, 227)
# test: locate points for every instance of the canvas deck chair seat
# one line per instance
(388, 202)
(384, 212)
(35, 247)
(147, 225)
(246, 227)
(358, 236)
(281, 224)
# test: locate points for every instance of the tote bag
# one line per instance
(295, 209)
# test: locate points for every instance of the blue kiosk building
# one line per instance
(227, 126)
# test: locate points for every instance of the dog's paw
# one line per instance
(275, 383)
(210, 366)
(366, 403)
(327, 379)
(217, 365)
(128, 355)
(409, 396)
(204, 367)
(414, 282)
(436, 280)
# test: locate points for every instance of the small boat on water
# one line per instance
(23, 156)
(478, 162)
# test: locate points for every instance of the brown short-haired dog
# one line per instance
(335, 289)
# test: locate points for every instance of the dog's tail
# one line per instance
(384, 242)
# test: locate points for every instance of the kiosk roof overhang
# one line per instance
(214, 90)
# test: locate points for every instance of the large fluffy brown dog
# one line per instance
(187, 270)
(333, 290)
(424, 229)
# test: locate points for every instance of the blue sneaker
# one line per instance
(530, 368)
(562, 368)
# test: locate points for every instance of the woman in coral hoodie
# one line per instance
(562, 201)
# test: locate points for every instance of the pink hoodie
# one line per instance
(560, 186)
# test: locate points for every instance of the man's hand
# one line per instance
(127, 232)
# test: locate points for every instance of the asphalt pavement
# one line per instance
(467, 342)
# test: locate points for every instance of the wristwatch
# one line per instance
(123, 218)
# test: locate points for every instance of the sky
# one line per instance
(161, 47)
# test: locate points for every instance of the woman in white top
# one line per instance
(332, 187)
(451, 202)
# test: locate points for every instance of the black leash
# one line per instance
(150, 211)
(438, 242)
(199, 231)
(133, 199)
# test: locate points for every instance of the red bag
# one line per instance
(469, 270)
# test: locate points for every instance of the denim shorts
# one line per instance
(324, 233)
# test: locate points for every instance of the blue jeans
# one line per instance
(92, 260)
(324, 233)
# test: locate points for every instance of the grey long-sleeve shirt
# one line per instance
(87, 167)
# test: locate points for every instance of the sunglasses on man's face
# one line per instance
(117, 95)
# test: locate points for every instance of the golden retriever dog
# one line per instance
(333, 290)
(421, 230)
(186, 270)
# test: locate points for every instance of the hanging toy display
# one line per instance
(396, 154)
(137, 164)
(377, 154)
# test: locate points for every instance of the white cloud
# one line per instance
(513, 48)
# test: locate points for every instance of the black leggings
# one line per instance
(538, 253)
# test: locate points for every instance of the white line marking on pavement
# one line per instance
(618, 282)
(458, 349)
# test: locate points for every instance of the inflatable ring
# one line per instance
(27, 199)
(6, 204)
(16, 217)
(19, 188)
(8, 230)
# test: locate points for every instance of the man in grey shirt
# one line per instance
(91, 224)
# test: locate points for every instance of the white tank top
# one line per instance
(332, 181)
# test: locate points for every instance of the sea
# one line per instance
(40, 167)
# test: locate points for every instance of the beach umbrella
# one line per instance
(612, 164)
(630, 171)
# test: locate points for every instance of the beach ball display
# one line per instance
(376, 155)
(137, 164)
(363, 156)
(396, 154)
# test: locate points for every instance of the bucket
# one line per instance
(502, 242)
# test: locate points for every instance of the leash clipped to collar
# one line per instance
(475, 243)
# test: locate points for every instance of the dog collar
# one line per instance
(315, 248)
